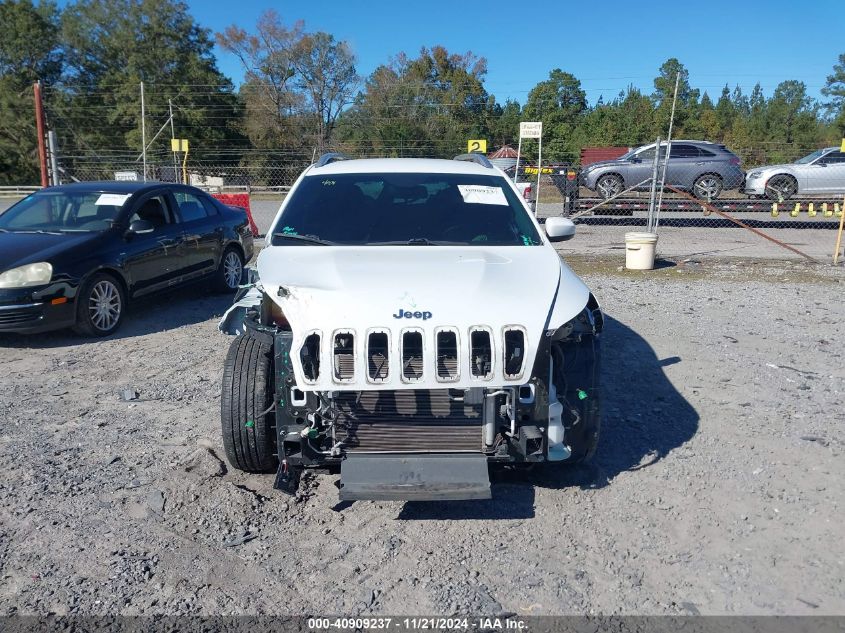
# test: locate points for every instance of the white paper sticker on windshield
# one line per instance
(113, 199)
(479, 194)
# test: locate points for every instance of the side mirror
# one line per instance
(560, 229)
(635, 159)
(139, 227)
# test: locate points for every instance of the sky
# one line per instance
(608, 45)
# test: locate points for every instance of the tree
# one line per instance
(326, 75)
(428, 105)
(664, 93)
(28, 52)
(725, 112)
(559, 102)
(791, 119)
(113, 45)
(504, 123)
(834, 89)
(269, 93)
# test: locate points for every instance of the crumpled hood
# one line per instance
(392, 288)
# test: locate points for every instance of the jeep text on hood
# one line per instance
(410, 323)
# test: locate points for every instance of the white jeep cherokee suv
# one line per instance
(410, 323)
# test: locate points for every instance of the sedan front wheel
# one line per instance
(100, 306)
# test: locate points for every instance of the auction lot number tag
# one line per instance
(480, 194)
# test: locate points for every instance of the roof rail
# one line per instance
(331, 157)
(481, 159)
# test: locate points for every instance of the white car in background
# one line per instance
(822, 172)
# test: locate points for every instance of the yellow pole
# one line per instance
(839, 235)
(185, 169)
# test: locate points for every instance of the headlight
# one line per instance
(29, 275)
(754, 174)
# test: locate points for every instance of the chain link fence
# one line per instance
(709, 206)
(712, 203)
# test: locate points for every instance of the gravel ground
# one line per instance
(716, 489)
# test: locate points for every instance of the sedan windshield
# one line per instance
(405, 208)
(63, 212)
(809, 158)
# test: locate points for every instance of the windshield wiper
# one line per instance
(42, 231)
(414, 241)
(311, 239)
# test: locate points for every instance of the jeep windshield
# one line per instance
(405, 208)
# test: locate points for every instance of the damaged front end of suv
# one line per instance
(410, 367)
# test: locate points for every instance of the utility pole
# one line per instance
(53, 145)
(39, 126)
(173, 136)
(143, 133)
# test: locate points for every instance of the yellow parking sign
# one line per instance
(477, 145)
(179, 145)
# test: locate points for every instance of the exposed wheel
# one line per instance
(246, 395)
(228, 276)
(99, 306)
(781, 187)
(707, 187)
(609, 186)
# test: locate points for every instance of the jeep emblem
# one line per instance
(407, 314)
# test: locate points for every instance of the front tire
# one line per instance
(249, 430)
(609, 186)
(100, 306)
(780, 188)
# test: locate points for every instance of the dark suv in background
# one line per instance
(706, 169)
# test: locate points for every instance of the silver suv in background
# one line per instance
(706, 169)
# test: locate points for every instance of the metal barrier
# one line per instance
(17, 191)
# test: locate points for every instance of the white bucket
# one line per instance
(639, 250)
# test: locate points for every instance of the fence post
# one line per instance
(651, 197)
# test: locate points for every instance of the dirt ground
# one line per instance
(716, 489)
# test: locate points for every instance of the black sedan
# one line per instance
(75, 255)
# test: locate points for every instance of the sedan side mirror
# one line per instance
(139, 227)
(560, 229)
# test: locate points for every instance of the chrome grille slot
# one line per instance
(378, 351)
(514, 352)
(309, 356)
(447, 355)
(412, 356)
(481, 354)
(344, 356)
